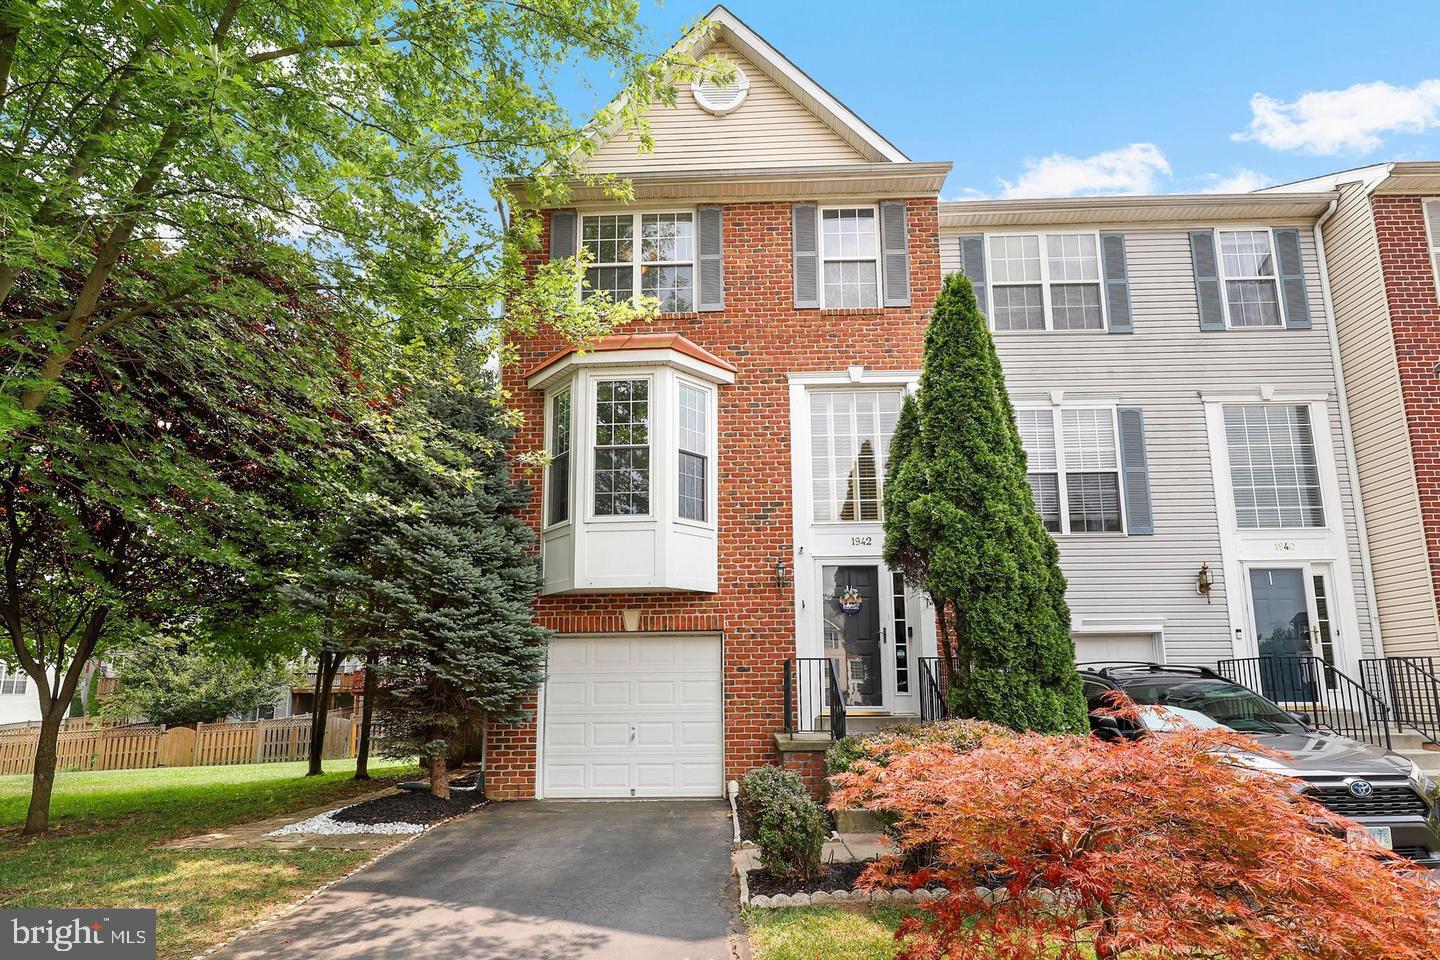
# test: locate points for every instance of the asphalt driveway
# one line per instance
(530, 881)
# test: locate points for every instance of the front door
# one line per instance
(867, 632)
(1291, 611)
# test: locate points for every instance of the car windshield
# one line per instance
(1227, 704)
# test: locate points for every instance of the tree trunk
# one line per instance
(42, 781)
(320, 710)
(439, 783)
(367, 711)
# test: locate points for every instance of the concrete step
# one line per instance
(869, 723)
(1427, 760)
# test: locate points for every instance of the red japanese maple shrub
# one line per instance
(1164, 848)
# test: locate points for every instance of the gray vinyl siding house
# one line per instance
(1134, 591)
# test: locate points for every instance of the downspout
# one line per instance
(1346, 436)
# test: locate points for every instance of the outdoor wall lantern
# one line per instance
(1204, 582)
(783, 579)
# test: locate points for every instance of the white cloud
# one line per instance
(1327, 122)
(1135, 168)
(1241, 181)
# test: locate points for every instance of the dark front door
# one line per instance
(1282, 632)
(851, 611)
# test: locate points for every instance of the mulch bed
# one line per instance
(409, 807)
(833, 876)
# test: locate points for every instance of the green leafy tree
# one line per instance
(186, 462)
(443, 577)
(176, 683)
(150, 148)
(961, 524)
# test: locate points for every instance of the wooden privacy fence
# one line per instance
(89, 747)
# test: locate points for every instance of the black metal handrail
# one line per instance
(1310, 685)
(1410, 687)
(812, 692)
(933, 705)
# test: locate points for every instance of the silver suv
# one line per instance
(1385, 794)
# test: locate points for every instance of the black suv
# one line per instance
(1385, 794)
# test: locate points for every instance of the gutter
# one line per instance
(1346, 434)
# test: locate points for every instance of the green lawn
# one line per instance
(104, 825)
(835, 933)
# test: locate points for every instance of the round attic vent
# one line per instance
(721, 100)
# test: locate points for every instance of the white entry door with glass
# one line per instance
(1295, 633)
(868, 634)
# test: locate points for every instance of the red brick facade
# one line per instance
(766, 338)
(1410, 287)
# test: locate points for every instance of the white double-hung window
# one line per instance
(849, 257)
(661, 265)
(1432, 231)
(1247, 269)
(622, 448)
(693, 463)
(1073, 468)
(1046, 281)
(1274, 471)
(13, 680)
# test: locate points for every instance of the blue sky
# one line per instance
(1110, 97)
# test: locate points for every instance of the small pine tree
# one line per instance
(454, 583)
(960, 523)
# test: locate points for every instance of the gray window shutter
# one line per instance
(972, 264)
(1117, 281)
(710, 228)
(1292, 278)
(1207, 279)
(895, 250)
(562, 234)
(806, 229)
(1135, 471)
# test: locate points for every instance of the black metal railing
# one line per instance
(1410, 687)
(933, 703)
(1309, 685)
(813, 702)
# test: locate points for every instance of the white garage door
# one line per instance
(633, 717)
(1116, 647)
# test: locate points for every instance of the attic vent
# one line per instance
(720, 100)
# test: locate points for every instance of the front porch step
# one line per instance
(870, 722)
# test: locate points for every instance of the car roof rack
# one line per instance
(1113, 670)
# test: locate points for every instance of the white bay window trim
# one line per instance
(1045, 277)
(612, 255)
(657, 548)
(557, 501)
(829, 254)
(1051, 454)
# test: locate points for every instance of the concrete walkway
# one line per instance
(530, 881)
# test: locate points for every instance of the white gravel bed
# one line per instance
(326, 823)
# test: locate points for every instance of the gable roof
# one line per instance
(734, 37)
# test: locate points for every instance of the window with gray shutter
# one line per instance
(972, 264)
(1134, 467)
(1292, 278)
(895, 254)
(1207, 279)
(806, 233)
(1117, 281)
(711, 228)
(562, 234)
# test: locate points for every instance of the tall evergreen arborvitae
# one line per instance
(960, 523)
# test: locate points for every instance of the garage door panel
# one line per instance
(639, 717)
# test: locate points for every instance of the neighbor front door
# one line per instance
(1290, 607)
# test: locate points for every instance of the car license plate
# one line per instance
(1380, 835)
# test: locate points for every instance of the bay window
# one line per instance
(1073, 468)
(849, 257)
(661, 265)
(1046, 281)
(630, 493)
